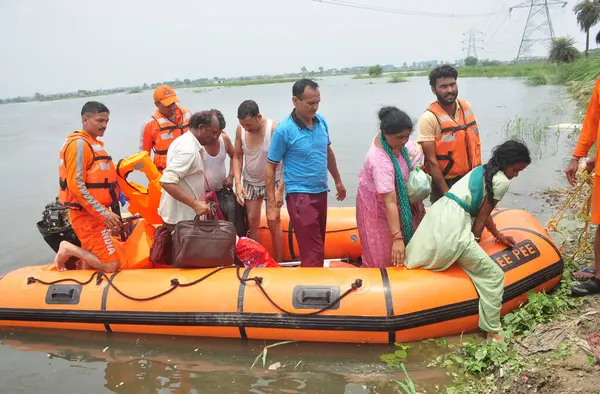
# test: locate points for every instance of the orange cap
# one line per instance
(165, 95)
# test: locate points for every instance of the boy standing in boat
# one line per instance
(252, 141)
(170, 120)
(88, 187)
(448, 133)
(301, 142)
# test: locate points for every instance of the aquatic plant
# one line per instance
(532, 131)
(396, 78)
(537, 79)
(265, 352)
(475, 364)
(407, 386)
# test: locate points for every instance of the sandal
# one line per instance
(585, 270)
(590, 286)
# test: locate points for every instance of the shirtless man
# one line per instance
(252, 141)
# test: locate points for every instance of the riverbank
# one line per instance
(549, 348)
(136, 90)
(578, 77)
(244, 83)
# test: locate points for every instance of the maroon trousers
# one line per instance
(308, 214)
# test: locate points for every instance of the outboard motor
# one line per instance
(55, 227)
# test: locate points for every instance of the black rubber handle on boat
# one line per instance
(258, 281)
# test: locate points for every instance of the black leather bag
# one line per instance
(233, 212)
(203, 243)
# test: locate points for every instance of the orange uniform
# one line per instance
(587, 138)
(457, 147)
(87, 186)
(159, 132)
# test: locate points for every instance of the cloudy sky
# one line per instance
(53, 46)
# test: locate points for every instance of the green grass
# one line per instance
(367, 76)
(537, 79)
(579, 77)
(508, 70)
(397, 78)
(474, 364)
(244, 83)
(529, 130)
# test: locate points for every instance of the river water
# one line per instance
(31, 135)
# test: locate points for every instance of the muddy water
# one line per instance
(31, 135)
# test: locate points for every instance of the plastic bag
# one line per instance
(253, 255)
(419, 185)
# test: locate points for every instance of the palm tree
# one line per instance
(563, 50)
(588, 14)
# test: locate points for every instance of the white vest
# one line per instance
(255, 160)
(214, 167)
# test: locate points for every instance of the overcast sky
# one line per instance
(53, 46)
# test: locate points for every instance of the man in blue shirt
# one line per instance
(301, 142)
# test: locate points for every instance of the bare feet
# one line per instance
(62, 256)
(585, 273)
(495, 336)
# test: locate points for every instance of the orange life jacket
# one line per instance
(166, 134)
(143, 201)
(457, 148)
(100, 178)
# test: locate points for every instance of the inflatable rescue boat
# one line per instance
(340, 303)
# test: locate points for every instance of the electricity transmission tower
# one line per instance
(538, 29)
(472, 43)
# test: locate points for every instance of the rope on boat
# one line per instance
(583, 188)
(175, 284)
(258, 281)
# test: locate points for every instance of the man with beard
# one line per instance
(448, 133)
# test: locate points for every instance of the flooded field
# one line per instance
(103, 363)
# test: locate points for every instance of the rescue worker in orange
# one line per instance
(589, 276)
(448, 133)
(168, 122)
(88, 187)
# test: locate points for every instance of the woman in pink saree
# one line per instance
(378, 213)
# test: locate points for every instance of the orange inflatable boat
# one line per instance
(341, 304)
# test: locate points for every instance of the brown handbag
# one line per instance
(161, 250)
(203, 243)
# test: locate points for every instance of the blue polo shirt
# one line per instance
(303, 152)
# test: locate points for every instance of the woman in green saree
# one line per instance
(448, 233)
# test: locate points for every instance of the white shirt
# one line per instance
(185, 168)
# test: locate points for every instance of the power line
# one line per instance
(472, 44)
(490, 22)
(399, 11)
(538, 28)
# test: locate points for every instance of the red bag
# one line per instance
(253, 254)
(161, 251)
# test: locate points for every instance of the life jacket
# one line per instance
(457, 148)
(167, 133)
(143, 201)
(101, 177)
